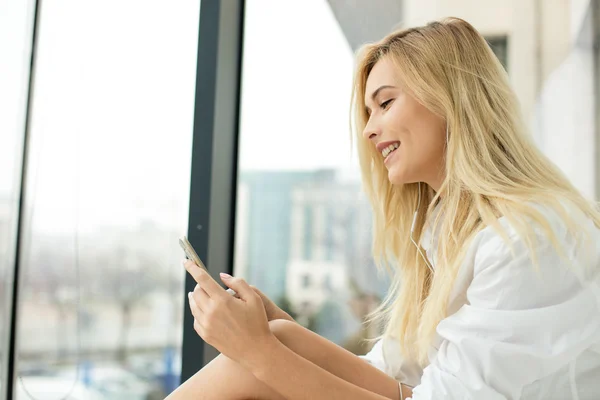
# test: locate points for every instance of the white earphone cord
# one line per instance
(412, 228)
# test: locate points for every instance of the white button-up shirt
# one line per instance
(513, 331)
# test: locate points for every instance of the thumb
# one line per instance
(243, 290)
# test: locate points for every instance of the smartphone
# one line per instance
(191, 254)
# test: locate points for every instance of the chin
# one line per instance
(397, 178)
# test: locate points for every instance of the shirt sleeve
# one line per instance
(520, 324)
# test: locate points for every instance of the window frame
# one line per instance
(8, 373)
(213, 186)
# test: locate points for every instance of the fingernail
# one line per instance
(189, 294)
(225, 276)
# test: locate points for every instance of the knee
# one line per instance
(283, 329)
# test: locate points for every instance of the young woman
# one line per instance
(495, 255)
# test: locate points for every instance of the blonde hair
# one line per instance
(493, 169)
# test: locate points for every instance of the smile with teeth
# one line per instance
(385, 152)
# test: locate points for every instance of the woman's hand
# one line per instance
(237, 327)
(273, 312)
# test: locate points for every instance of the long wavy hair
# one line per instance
(492, 169)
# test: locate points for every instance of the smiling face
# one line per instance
(410, 138)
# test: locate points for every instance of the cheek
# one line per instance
(428, 136)
(396, 123)
(430, 148)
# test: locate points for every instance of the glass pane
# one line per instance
(302, 234)
(16, 26)
(100, 313)
(302, 224)
(499, 45)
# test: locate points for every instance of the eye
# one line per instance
(385, 104)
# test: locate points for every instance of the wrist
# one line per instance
(259, 355)
(405, 391)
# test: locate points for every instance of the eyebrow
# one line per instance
(376, 92)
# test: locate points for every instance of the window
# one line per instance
(499, 45)
(300, 204)
(595, 18)
(308, 232)
(327, 283)
(329, 242)
(100, 308)
(306, 281)
(16, 21)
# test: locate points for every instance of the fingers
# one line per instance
(241, 287)
(198, 328)
(196, 311)
(257, 290)
(201, 298)
(212, 288)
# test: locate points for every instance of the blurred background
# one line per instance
(103, 137)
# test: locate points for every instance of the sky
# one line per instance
(297, 81)
(113, 103)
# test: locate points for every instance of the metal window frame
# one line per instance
(214, 156)
(9, 367)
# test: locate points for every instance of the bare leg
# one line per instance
(224, 379)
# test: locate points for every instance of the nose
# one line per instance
(371, 131)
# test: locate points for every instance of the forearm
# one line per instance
(297, 378)
(284, 315)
